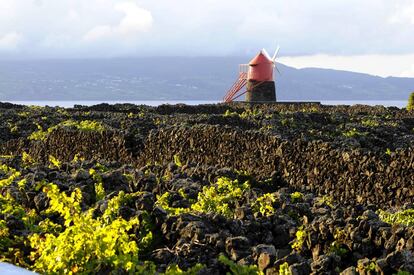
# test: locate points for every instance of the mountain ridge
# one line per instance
(181, 78)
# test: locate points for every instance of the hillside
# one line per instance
(177, 78)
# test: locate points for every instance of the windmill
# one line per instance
(258, 76)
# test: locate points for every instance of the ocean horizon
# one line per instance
(72, 103)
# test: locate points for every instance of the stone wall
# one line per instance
(65, 145)
(354, 176)
(348, 176)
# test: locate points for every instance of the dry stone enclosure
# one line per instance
(300, 188)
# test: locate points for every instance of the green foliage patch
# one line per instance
(326, 200)
(264, 205)
(10, 175)
(296, 197)
(284, 269)
(404, 217)
(163, 201)
(221, 198)
(175, 270)
(370, 123)
(87, 243)
(177, 161)
(352, 133)
(249, 113)
(84, 125)
(301, 236)
(99, 189)
(410, 105)
(239, 269)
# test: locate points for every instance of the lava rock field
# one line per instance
(240, 188)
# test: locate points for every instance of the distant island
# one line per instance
(180, 78)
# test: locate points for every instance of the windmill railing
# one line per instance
(235, 89)
(243, 68)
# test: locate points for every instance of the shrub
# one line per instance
(352, 133)
(54, 162)
(326, 200)
(85, 126)
(296, 196)
(301, 236)
(367, 268)
(27, 159)
(410, 105)
(229, 113)
(39, 134)
(405, 217)
(370, 123)
(10, 175)
(250, 113)
(337, 248)
(221, 198)
(264, 204)
(175, 270)
(284, 269)
(99, 189)
(177, 161)
(239, 269)
(163, 201)
(11, 244)
(87, 244)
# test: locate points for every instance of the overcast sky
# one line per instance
(373, 36)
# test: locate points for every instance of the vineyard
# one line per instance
(210, 189)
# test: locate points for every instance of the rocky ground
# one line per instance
(278, 189)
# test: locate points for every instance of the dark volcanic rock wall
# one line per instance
(352, 176)
(65, 145)
(303, 144)
(215, 180)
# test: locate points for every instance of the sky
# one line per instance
(371, 36)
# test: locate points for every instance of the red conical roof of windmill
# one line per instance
(261, 58)
(261, 68)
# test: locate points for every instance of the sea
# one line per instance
(70, 104)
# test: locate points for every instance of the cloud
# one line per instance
(37, 2)
(99, 32)
(56, 41)
(409, 72)
(135, 20)
(73, 15)
(10, 41)
(403, 13)
(107, 28)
